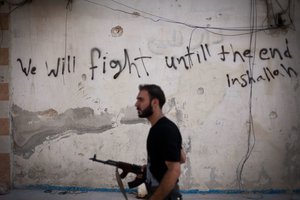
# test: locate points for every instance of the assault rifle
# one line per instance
(126, 168)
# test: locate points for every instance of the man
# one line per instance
(163, 145)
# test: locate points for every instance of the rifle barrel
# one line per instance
(107, 162)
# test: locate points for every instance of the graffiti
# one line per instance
(117, 64)
(101, 64)
(56, 71)
(267, 75)
(264, 53)
(28, 70)
(32, 70)
(242, 56)
(190, 56)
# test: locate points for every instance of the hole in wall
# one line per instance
(117, 31)
(83, 77)
(200, 91)
(273, 115)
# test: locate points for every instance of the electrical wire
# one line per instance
(21, 3)
(243, 161)
(191, 25)
(17, 5)
(275, 19)
(68, 8)
(251, 62)
(251, 132)
(157, 18)
(69, 5)
(290, 6)
(283, 10)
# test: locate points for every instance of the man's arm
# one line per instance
(168, 182)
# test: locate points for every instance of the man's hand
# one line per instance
(144, 168)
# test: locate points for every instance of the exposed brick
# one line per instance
(5, 179)
(4, 21)
(4, 59)
(4, 93)
(4, 126)
(4, 169)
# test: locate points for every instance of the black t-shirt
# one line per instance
(163, 144)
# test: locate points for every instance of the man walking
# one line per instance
(164, 145)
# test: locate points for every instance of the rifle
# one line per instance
(126, 168)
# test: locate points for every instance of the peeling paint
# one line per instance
(186, 175)
(264, 179)
(175, 110)
(64, 159)
(32, 128)
(213, 183)
(292, 161)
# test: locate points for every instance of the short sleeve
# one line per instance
(172, 142)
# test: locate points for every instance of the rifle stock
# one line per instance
(126, 168)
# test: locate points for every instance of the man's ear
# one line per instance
(155, 102)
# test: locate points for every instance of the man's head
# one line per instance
(150, 99)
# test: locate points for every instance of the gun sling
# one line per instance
(120, 183)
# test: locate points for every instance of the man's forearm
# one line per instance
(167, 183)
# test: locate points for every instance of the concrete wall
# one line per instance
(234, 92)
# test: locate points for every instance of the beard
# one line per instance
(147, 112)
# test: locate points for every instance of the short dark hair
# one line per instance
(154, 92)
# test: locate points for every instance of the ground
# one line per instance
(19, 194)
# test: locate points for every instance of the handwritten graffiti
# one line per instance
(101, 64)
(264, 53)
(267, 75)
(117, 64)
(190, 57)
(56, 71)
(28, 70)
(60, 68)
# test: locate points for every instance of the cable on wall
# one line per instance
(278, 16)
(211, 29)
(68, 8)
(251, 63)
(17, 5)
